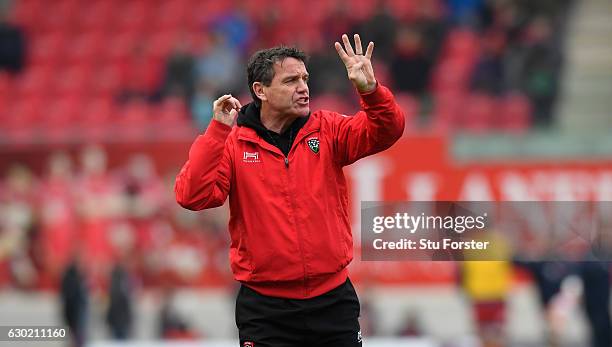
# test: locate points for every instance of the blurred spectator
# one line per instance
(142, 188)
(57, 214)
(120, 312)
(595, 275)
(220, 64)
(430, 22)
(596, 290)
(381, 28)
(410, 65)
(180, 74)
(235, 26)
(487, 285)
(326, 74)
(201, 106)
(74, 297)
(411, 326)
(267, 33)
(337, 22)
(541, 62)
(550, 8)
(18, 225)
(12, 44)
(99, 201)
(547, 277)
(488, 75)
(466, 12)
(171, 324)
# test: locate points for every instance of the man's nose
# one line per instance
(302, 86)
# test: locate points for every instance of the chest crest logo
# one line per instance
(251, 157)
(313, 143)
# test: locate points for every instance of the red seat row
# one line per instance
(481, 113)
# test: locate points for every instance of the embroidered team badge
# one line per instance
(313, 143)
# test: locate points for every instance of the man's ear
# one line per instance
(258, 89)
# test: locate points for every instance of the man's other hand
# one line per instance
(225, 109)
(358, 65)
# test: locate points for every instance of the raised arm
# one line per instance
(204, 180)
(380, 123)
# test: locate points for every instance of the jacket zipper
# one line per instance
(291, 202)
(291, 199)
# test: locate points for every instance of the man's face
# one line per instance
(287, 94)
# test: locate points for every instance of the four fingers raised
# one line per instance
(346, 52)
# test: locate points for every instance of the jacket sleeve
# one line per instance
(378, 125)
(204, 180)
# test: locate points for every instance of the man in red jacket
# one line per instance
(281, 167)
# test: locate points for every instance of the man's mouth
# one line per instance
(303, 100)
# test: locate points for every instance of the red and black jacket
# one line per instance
(289, 224)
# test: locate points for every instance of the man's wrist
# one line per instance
(369, 89)
(223, 120)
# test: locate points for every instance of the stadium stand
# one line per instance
(115, 51)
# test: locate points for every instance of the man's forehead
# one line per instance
(290, 65)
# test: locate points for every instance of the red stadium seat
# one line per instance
(171, 15)
(172, 118)
(361, 9)
(403, 9)
(47, 49)
(96, 16)
(480, 111)
(97, 112)
(106, 82)
(172, 111)
(123, 45)
(516, 113)
(6, 90)
(134, 120)
(59, 119)
(22, 119)
(27, 13)
(60, 16)
(253, 8)
(134, 16)
(450, 76)
(461, 44)
(34, 82)
(72, 82)
(95, 119)
(141, 74)
(447, 111)
(160, 44)
(135, 113)
(86, 48)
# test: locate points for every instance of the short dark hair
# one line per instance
(261, 65)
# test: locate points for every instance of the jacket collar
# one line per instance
(250, 127)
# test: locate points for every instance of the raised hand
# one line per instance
(358, 66)
(225, 109)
